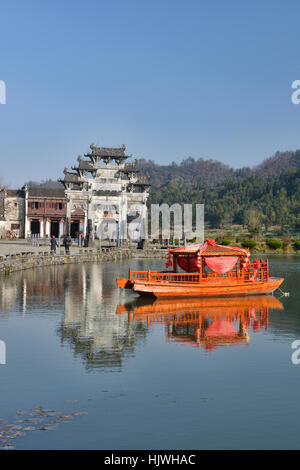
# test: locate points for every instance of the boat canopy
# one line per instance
(210, 248)
(219, 258)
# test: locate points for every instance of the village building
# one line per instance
(98, 199)
(12, 208)
(45, 212)
(102, 192)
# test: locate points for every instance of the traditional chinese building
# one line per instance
(98, 198)
(45, 211)
(102, 191)
(12, 213)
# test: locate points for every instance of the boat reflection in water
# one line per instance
(206, 322)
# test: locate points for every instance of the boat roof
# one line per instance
(209, 248)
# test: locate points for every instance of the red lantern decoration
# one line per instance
(72, 221)
(30, 220)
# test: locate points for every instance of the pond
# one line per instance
(92, 367)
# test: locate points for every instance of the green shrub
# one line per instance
(297, 245)
(273, 243)
(225, 242)
(249, 244)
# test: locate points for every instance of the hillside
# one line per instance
(270, 190)
(272, 200)
(213, 172)
(210, 172)
(280, 162)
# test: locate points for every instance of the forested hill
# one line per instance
(271, 190)
(267, 194)
(213, 172)
(210, 172)
(201, 171)
(272, 200)
(280, 162)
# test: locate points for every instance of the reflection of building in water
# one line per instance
(86, 296)
(31, 289)
(8, 295)
(90, 325)
(207, 322)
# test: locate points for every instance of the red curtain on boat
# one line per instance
(221, 264)
(189, 265)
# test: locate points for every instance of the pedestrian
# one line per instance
(81, 239)
(53, 244)
(67, 243)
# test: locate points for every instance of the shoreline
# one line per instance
(27, 260)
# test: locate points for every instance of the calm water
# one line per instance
(187, 375)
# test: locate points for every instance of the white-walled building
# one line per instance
(12, 208)
(103, 192)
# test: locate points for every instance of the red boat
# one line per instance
(208, 269)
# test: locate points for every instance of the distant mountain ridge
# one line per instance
(278, 163)
(213, 172)
(270, 190)
(204, 172)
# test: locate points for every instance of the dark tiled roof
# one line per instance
(108, 152)
(56, 193)
(15, 193)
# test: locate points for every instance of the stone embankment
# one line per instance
(29, 260)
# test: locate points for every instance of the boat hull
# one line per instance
(166, 290)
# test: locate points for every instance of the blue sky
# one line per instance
(169, 79)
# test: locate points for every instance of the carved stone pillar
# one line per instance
(123, 218)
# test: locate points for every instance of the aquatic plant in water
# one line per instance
(37, 419)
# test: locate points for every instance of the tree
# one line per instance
(252, 219)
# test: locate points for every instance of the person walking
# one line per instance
(67, 243)
(81, 239)
(53, 245)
